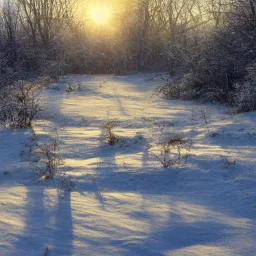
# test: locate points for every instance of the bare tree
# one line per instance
(44, 19)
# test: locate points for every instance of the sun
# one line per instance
(100, 15)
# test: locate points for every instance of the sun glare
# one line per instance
(100, 15)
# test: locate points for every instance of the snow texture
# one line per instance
(124, 202)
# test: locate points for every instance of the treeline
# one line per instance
(47, 35)
(212, 41)
(223, 69)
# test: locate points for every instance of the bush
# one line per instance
(245, 92)
(73, 87)
(50, 159)
(107, 131)
(169, 151)
(7, 74)
(66, 185)
(218, 70)
(19, 104)
(179, 90)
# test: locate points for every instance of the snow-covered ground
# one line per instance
(124, 202)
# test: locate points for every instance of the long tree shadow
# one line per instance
(47, 219)
(62, 242)
(177, 235)
(44, 232)
(37, 232)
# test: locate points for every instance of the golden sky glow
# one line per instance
(100, 15)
